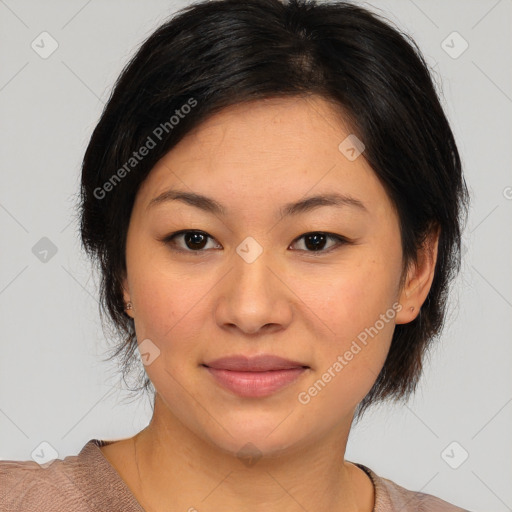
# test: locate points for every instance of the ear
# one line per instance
(126, 296)
(419, 279)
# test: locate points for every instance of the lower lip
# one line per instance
(255, 384)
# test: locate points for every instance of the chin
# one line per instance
(251, 446)
(256, 435)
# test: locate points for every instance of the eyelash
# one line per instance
(169, 240)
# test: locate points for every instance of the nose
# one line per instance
(254, 297)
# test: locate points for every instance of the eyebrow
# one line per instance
(212, 206)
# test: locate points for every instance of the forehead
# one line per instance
(277, 149)
(277, 127)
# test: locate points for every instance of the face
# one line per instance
(316, 284)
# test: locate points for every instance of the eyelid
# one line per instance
(341, 240)
(168, 240)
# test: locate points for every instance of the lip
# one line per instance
(255, 377)
(259, 363)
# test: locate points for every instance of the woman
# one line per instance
(274, 197)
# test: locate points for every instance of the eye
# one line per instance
(316, 241)
(197, 241)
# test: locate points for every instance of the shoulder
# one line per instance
(390, 496)
(27, 485)
(77, 483)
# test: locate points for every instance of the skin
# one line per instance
(291, 301)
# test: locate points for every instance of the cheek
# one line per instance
(167, 298)
(349, 297)
(169, 313)
(355, 310)
(167, 304)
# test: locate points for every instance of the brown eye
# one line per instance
(195, 240)
(191, 241)
(316, 241)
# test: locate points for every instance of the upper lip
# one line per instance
(259, 363)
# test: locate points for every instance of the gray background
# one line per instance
(54, 386)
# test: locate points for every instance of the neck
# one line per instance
(178, 470)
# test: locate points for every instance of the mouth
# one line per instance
(260, 363)
(255, 377)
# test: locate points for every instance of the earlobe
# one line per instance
(128, 305)
(419, 280)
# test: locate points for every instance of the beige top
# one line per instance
(88, 482)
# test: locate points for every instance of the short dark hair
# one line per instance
(214, 54)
